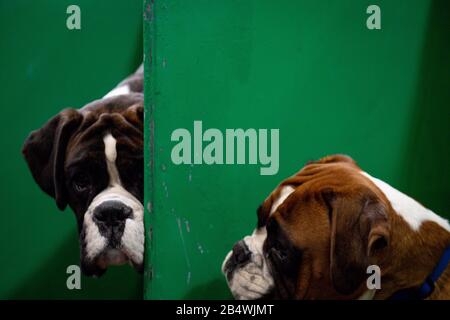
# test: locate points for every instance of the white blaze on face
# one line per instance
(253, 280)
(111, 156)
(284, 193)
(408, 208)
(132, 242)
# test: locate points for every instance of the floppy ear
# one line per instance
(360, 235)
(44, 150)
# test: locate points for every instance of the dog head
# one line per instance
(317, 232)
(92, 160)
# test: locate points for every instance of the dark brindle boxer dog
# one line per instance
(92, 160)
(320, 229)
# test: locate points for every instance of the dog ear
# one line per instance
(44, 150)
(360, 235)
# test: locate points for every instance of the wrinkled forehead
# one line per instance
(310, 182)
(86, 152)
(87, 141)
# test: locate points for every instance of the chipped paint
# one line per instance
(150, 233)
(166, 190)
(183, 243)
(188, 279)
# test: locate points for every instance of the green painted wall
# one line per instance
(44, 68)
(310, 68)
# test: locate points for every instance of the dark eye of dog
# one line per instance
(279, 252)
(276, 249)
(279, 249)
(81, 183)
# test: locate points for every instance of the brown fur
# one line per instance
(341, 222)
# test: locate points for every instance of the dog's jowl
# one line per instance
(91, 159)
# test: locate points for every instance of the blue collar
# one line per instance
(427, 287)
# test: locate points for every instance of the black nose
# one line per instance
(241, 253)
(239, 257)
(112, 213)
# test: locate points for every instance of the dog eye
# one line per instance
(280, 253)
(81, 184)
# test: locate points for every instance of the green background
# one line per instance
(310, 68)
(45, 67)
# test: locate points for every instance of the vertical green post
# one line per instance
(149, 46)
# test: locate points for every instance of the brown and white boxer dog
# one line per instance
(92, 160)
(320, 229)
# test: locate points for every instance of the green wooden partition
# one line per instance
(311, 69)
(45, 67)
